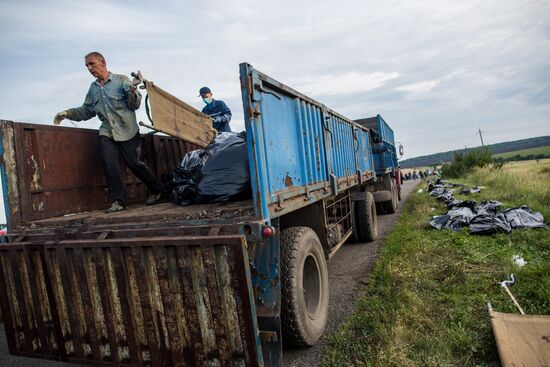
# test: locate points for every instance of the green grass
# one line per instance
(524, 152)
(425, 302)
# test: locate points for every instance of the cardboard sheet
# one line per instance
(176, 118)
(522, 340)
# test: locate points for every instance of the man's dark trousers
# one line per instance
(131, 151)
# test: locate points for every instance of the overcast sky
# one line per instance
(435, 70)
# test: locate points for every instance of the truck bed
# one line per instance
(239, 211)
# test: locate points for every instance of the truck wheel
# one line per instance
(304, 287)
(380, 198)
(366, 220)
(391, 206)
(399, 192)
(386, 201)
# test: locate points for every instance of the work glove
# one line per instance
(137, 80)
(60, 117)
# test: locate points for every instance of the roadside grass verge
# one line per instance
(515, 184)
(425, 302)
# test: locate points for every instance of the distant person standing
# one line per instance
(114, 99)
(218, 110)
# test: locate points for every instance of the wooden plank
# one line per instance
(70, 298)
(122, 281)
(23, 307)
(89, 312)
(204, 310)
(151, 333)
(218, 315)
(229, 305)
(7, 306)
(184, 264)
(177, 341)
(98, 260)
(34, 294)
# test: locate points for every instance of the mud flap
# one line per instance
(160, 301)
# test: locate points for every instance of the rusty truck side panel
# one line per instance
(52, 171)
(161, 301)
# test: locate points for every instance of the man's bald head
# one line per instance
(95, 55)
(95, 62)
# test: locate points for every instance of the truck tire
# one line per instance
(380, 198)
(366, 220)
(387, 201)
(399, 192)
(390, 207)
(304, 287)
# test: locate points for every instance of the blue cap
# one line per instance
(204, 90)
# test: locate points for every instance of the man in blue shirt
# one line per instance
(221, 114)
(114, 99)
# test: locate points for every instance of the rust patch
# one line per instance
(288, 180)
(35, 183)
(9, 162)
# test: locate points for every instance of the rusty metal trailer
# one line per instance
(213, 284)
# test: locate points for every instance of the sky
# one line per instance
(437, 71)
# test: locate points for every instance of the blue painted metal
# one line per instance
(3, 177)
(296, 145)
(366, 162)
(300, 152)
(387, 161)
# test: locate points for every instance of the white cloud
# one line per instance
(353, 82)
(418, 87)
(486, 59)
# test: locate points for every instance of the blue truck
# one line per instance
(387, 190)
(205, 284)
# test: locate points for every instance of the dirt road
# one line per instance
(348, 271)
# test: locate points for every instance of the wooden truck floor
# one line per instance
(241, 210)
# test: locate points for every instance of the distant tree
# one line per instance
(465, 163)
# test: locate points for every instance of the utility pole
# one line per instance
(481, 137)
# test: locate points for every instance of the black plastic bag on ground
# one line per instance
(446, 197)
(439, 221)
(186, 177)
(437, 190)
(226, 174)
(462, 204)
(523, 217)
(455, 219)
(464, 191)
(489, 224)
(459, 217)
(488, 207)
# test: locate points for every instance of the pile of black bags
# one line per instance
(484, 218)
(216, 174)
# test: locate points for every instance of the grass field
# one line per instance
(425, 302)
(524, 152)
